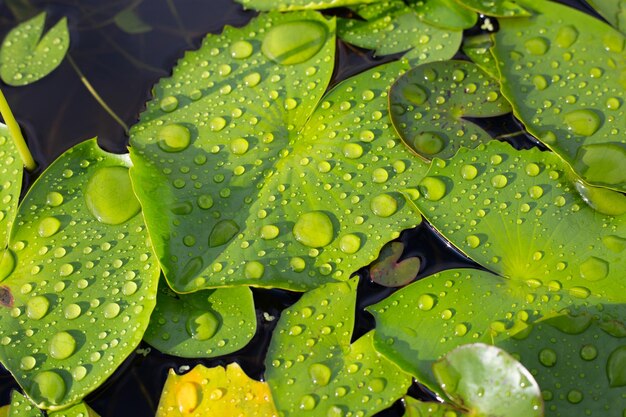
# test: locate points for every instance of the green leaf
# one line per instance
(286, 193)
(477, 48)
(446, 14)
(390, 271)
(80, 297)
(499, 8)
(563, 71)
(416, 408)
(10, 188)
(614, 11)
(429, 102)
(78, 410)
(329, 376)
(21, 407)
(131, 22)
(285, 5)
(204, 324)
(557, 292)
(391, 27)
(26, 56)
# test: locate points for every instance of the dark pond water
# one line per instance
(58, 112)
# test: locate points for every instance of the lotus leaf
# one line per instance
(78, 410)
(204, 324)
(26, 56)
(614, 11)
(390, 271)
(284, 5)
(391, 27)
(446, 14)
(416, 408)
(555, 296)
(295, 211)
(429, 102)
(10, 188)
(498, 8)
(84, 285)
(21, 407)
(571, 90)
(312, 368)
(215, 392)
(477, 48)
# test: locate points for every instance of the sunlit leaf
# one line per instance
(78, 410)
(477, 48)
(497, 8)
(80, 296)
(284, 5)
(21, 407)
(416, 408)
(390, 271)
(311, 347)
(131, 22)
(428, 105)
(557, 301)
(447, 14)
(204, 324)
(391, 27)
(10, 188)
(614, 11)
(286, 194)
(564, 72)
(215, 392)
(26, 56)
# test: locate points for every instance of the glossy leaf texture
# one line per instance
(215, 392)
(312, 368)
(78, 410)
(80, 296)
(20, 406)
(446, 14)
(391, 271)
(416, 408)
(499, 8)
(614, 11)
(286, 5)
(391, 27)
(428, 105)
(10, 188)
(286, 193)
(477, 48)
(204, 324)
(26, 56)
(563, 71)
(555, 296)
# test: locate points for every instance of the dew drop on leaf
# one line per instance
(294, 42)
(109, 196)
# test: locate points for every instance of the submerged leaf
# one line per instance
(497, 8)
(429, 102)
(391, 27)
(26, 56)
(215, 392)
(80, 297)
(389, 271)
(311, 347)
(10, 188)
(285, 5)
(204, 324)
(564, 72)
(614, 11)
(131, 22)
(447, 14)
(286, 193)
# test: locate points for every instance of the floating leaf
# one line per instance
(281, 203)
(446, 14)
(21, 407)
(215, 392)
(560, 267)
(80, 297)
(26, 56)
(78, 410)
(416, 408)
(389, 271)
(391, 27)
(564, 72)
(285, 5)
(311, 347)
(477, 48)
(428, 103)
(204, 324)
(131, 22)
(498, 8)
(614, 11)
(10, 188)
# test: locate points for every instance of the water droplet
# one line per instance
(602, 200)
(111, 310)
(50, 386)
(594, 269)
(173, 138)
(223, 232)
(547, 357)
(297, 264)
(239, 146)
(188, 397)
(109, 196)
(294, 42)
(241, 49)
(535, 192)
(582, 122)
(202, 325)
(428, 143)
(62, 345)
(588, 352)
(469, 172)
(352, 150)
(415, 94)
(217, 124)
(377, 384)
(384, 205)
(350, 243)
(254, 270)
(27, 363)
(433, 188)
(7, 264)
(295, 330)
(537, 46)
(540, 82)
(566, 36)
(320, 374)
(54, 199)
(169, 104)
(613, 243)
(269, 232)
(72, 311)
(499, 181)
(426, 302)
(308, 402)
(314, 229)
(473, 241)
(37, 307)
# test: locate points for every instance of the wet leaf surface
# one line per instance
(569, 95)
(20, 406)
(10, 188)
(85, 279)
(428, 105)
(390, 271)
(328, 375)
(204, 324)
(78, 410)
(614, 11)
(215, 392)
(284, 5)
(477, 48)
(500, 8)
(446, 14)
(26, 56)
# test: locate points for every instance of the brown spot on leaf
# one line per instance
(6, 297)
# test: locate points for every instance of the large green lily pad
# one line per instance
(391, 27)
(312, 368)
(286, 193)
(564, 72)
(10, 187)
(429, 102)
(614, 11)
(84, 285)
(498, 8)
(204, 324)
(554, 297)
(26, 56)
(285, 5)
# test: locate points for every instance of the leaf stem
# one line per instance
(16, 134)
(510, 135)
(95, 94)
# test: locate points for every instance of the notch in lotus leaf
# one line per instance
(84, 280)
(26, 56)
(550, 293)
